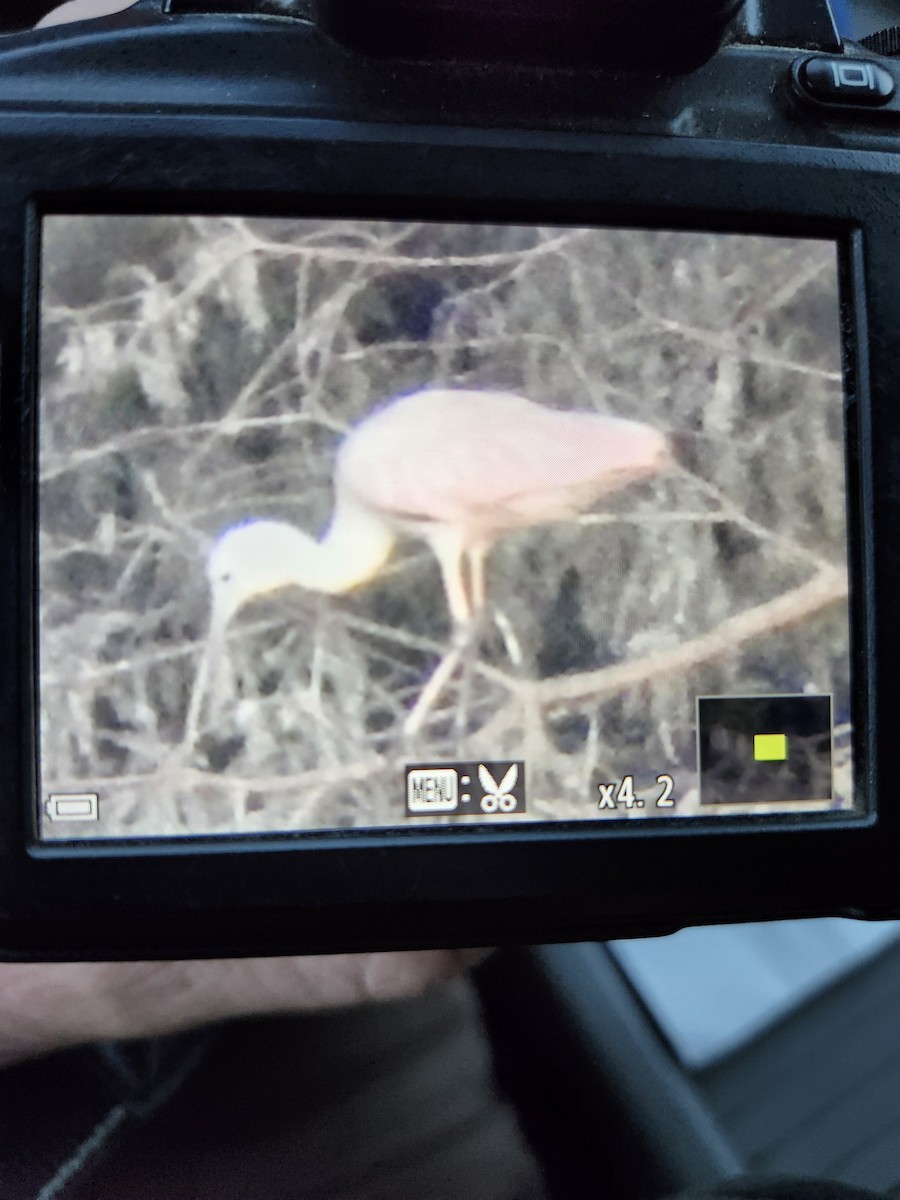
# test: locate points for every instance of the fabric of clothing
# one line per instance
(392, 1100)
(383, 1102)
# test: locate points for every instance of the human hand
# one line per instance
(48, 1006)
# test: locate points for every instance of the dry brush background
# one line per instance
(196, 372)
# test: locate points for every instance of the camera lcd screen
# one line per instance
(359, 524)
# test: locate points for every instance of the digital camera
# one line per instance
(450, 476)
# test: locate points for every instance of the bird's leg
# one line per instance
(464, 598)
(439, 679)
(450, 551)
(474, 560)
(477, 555)
(463, 699)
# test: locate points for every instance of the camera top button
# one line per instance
(837, 80)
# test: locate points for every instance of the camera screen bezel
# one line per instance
(474, 885)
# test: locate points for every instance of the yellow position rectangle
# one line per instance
(770, 747)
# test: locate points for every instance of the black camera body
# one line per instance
(227, 243)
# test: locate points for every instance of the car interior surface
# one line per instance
(627, 1070)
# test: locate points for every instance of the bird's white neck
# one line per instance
(262, 557)
(355, 547)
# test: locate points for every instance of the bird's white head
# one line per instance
(259, 557)
(253, 559)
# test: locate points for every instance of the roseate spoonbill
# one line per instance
(457, 469)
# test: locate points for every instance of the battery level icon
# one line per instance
(73, 806)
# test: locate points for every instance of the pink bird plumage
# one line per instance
(457, 468)
(490, 461)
